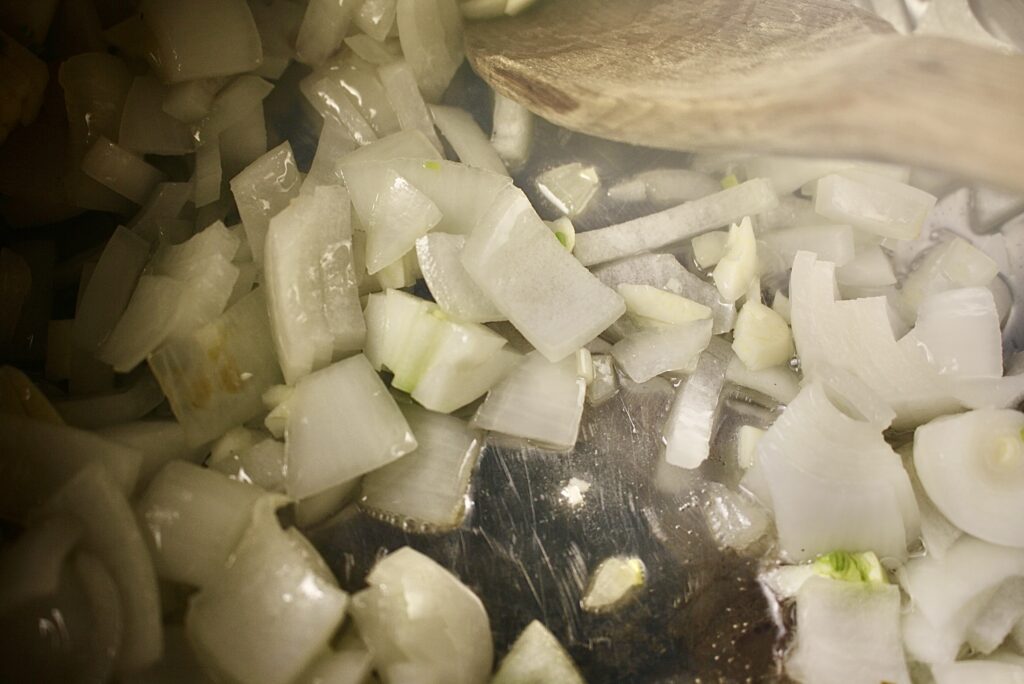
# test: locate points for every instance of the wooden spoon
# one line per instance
(809, 77)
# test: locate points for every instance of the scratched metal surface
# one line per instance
(527, 547)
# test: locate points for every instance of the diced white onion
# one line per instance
(996, 621)
(938, 534)
(537, 656)
(335, 141)
(430, 484)
(950, 265)
(665, 187)
(271, 609)
(262, 190)
(789, 174)
(648, 353)
(122, 171)
(737, 268)
(401, 214)
(614, 581)
(467, 138)
(747, 439)
(417, 612)
(523, 269)
(647, 303)
(376, 18)
(145, 127)
(233, 104)
(371, 50)
(605, 383)
(141, 395)
(194, 518)
(449, 283)
(342, 408)
(762, 338)
(709, 248)
(873, 203)
(165, 202)
(511, 132)
(324, 25)
(540, 400)
(688, 429)
(318, 508)
(678, 223)
(31, 567)
(870, 268)
(400, 85)
(569, 187)
(208, 172)
(190, 101)
(734, 519)
(959, 332)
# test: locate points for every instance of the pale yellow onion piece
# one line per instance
(738, 266)
(613, 581)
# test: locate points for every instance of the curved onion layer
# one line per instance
(833, 482)
(449, 283)
(467, 138)
(848, 633)
(688, 430)
(417, 612)
(972, 467)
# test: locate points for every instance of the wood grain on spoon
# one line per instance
(812, 77)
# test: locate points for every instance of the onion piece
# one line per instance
(145, 127)
(429, 485)
(122, 171)
(762, 338)
(958, 330)
(736, 270)
(523, 269)
(537, 656)
(335, 141)
(158, 442)
(190, 101)
(664, 187)
(873, 203)
(789, 174)
(341, 667)
(647, 303)
(968, 465)
(344, 406)
(318, 508)
(214, 377)
(996, 620)
(449, 283)
(348, 77)
(401, 214)
(189, 37)
(206, 182)
(373, 51)
(261, 464)
(605, 383)
(938, 534)
(417, 612)
(232, 105)
(278, 23)
(376, 18)
(243, 142)
(569, 187)
(463, 194)
(113, 535)
(648, 353)
(31, 567)
(109, 289)
(194, 518)
(467, 138)
(675, 224)
(262, 190)
(709, 248)
(833, 243)
(847, 633)
(688, 430)
(431, 35)
(511, 132)
(400, 85)
(540, 400)
(311, 287)
(165, 202)
(613, 582)
(41, 457)
(132, 402)
(977, 672)
(272, 608)
(105, 604)
(324, 25)
(953, 264)
(332, 100)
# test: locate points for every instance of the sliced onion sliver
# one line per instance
(688, 430)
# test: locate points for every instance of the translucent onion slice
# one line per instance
(165, 202)
(122, 171)
(736, 270)
(734, 519)
(688, 429)
(261, 464)
(158, 441)
(449, 283)
(417, 612)
(762, 338)
(545, 292)
(605, 383)
(789, 174)
(429, 485)
(342, 408)
(997, 619)
(937, 533)
(190, 101)
(678, 223)
(511, 132)
(467, 138)
(374, 51)
(869, 268)
(272, 608)
(112, 534)
(848, 632)
(537, 656)
(648, 353)
(971, 466)
(376, 18)
(665, 187)
(569, 187)
(145, 127)
(431, 36)
(233, 104)
(830, 242)
(214, 378)
(952, 264)
(400, 85)
(31, 567)
(401, 215)
(324, 25)
(262, 190)
(349, 78)
(335, 141)
(873, 203)
(194, 518)
(138, 397)
(208, 172)
(189, 36)
(540, 400)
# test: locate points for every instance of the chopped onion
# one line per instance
(190, 38)
(31, 566)
(734, 519)
(109, 289)
(762, 338)
(145, 127)
(190, 101)
(272, 608)
(523, 269)
(833, 482)
(449, 283)
(138, 398)
(463, 194)
(214, 377)
(347, 77)
(650, 304)
(41, 457)
(978, 672)
(789, 174)
(968, 465)
(564, 230)
(709, 248)
(747, 439)
(615, 580)
(233, 104)
(688, 430)
(540, 400)
(417, 612)
(374, 51)
(158, 442)
(344, 407)
(468, 140)
(324, 25)
(937, 533)
(311, 287)
(194, 518)
(315, 509)
(664, 271)
(165, 202)
(429, 485)
(125, 173)
(737, 268)
(431, 35)
(400, 85)
(278, 23)
(262, 190)
(112, 533)
(605, 383)
(870, 268)
(341, 667)
(959, 332)
(511, 132)
(675, 224)
(664, 187)
(955, 263)
(848, 632)
(208, 172)
(335, 141)
(536, 656)
(331, 98)
(833, 243)
(873, 203)
(261, 464)
(648, 353)
(569, 187)
(401, 214)
(997, 619)
(376, 18)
